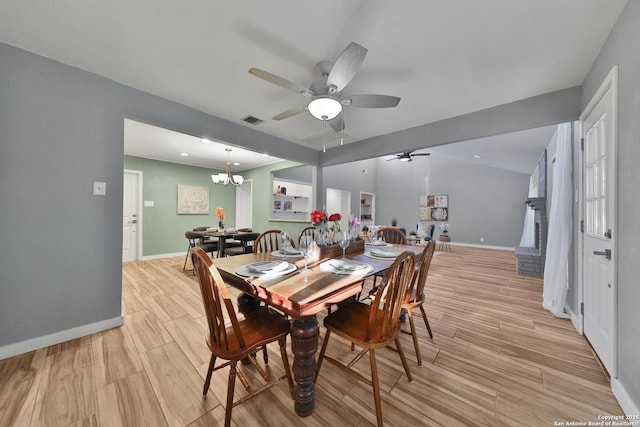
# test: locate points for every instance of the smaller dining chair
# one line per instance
(232, 339)
(415, 296)
(246, 240)
(197, 239)
(372, 326)
(308, 231)
(268, 241)
(391, 235)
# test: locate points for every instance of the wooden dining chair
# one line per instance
(372, 326)
(268, 241)
(391, 235)
(231, 339)
(308, 231)
(415, 296)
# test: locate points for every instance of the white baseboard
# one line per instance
(575, 319)
(159, 256)
(58, 337)
(472, 245)
(626, 403)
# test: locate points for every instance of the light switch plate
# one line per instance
(99, 188)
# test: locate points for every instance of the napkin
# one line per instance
(230, 230)
(267, 267)
(376, 243)
(346, 265)
(384, 254)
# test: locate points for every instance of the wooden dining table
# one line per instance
(302, 296)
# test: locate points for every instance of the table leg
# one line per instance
(304, 345)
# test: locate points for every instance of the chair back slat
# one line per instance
(308, 231)
(384, 322)
(392, 235)
(217, 302)
(415, 293)
(268, 241)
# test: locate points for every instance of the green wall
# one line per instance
(163, 229)
(262, 190)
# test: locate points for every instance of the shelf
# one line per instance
(290, 196)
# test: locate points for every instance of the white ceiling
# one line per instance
(442, 58)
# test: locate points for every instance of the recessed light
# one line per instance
(184, 154)
(207, 141)
(477, 156)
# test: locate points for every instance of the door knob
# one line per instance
(606, 253)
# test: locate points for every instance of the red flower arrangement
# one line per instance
(317, 217)
(335, 217)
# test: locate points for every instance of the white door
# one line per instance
(130, 216)
(599, 214)
(244, 205)
(339, 201)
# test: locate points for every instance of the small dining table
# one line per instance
(302, 296)
(222, 239)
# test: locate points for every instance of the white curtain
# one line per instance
(560, 222)
(528, 232)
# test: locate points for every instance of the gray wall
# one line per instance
(353, 177)
(622, 48)
(60, 130)
(483, 201)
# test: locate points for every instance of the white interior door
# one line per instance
(599, 214)
(339, 201)
(130, 215)
(244, 204)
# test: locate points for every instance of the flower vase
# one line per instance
(320, 235)
(221, 225)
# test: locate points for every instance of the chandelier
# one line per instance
(227, 178)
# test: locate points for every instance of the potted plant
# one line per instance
(364, 231)
(394, 222)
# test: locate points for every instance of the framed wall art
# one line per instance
(434, 207)
(193, 200)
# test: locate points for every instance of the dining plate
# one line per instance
(289, 253)
(344, 266)
(380, 254)
(266, 269)
(378, 244)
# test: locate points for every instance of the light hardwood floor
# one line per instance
(496, 359)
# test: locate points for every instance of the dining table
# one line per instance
(222, 237)
(301, 295)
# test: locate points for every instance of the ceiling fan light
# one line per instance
(405, 159)
(324, 108)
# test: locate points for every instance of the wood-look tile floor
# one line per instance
(496, 359)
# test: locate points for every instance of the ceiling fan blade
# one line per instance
(337, 123)
(290, 113)
(371, 101)
(280, 81)
(393, 158)
(421, 154)
(345, 67)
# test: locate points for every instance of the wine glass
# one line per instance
(285, 239)
(344, 242)
(306, 245)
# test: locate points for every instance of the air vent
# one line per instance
(252, 120)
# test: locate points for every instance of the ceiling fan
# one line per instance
(326, 95)
(407, 156)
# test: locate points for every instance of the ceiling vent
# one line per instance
(252, 120)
